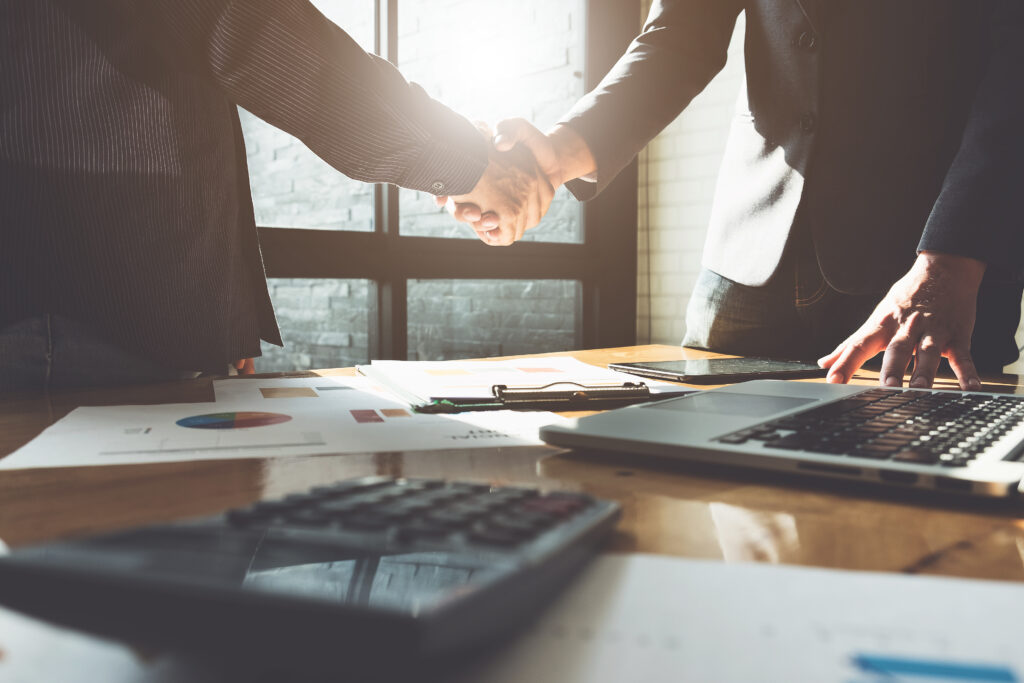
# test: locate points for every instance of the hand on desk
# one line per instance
(515, 191)
(929, 313)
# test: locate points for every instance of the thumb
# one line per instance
(513, 131)
(520, 131)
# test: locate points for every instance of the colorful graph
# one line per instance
(238, 420)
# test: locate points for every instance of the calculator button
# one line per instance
(308, 518)
(512, 525)
(449, 518)
(560, 508)
(341, 507)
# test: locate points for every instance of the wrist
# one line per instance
(969, 269)
(574, 156)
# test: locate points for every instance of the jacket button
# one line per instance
(808, 122)
(437, 187)
(806, 41)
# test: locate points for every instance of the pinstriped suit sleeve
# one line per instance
(288, 64)
(977, 213)
(683, 45)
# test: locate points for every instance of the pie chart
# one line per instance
(240, 420)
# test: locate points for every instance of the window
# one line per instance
(360, 271)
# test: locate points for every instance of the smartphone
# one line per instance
(721, 370)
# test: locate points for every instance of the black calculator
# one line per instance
(373, 578)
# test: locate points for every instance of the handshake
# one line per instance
(525, 167)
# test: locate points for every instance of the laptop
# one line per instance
(958, 442)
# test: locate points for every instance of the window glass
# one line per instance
(489, 60)
(291, 186)
(476, 318)
(325, 324)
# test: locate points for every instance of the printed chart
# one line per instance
(266, 418)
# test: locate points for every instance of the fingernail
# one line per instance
(974, 384)
(500, 139)
(837, 378)
(821, 361)
(919, 383)
(892, 381)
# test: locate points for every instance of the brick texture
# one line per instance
(531, 67)
(677, 182)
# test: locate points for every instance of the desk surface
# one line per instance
(669, 508)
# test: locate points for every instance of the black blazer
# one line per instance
(124, 194)
(891, 125)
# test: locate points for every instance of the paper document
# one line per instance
(34, 652)
(259, 418)
(419, 382)
(665, 620)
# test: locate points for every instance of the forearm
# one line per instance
(286, 63)
(683, 45)
(977, 211)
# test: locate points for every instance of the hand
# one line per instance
(246, 366)
(929, 313)
(511, 196)
(561, 155)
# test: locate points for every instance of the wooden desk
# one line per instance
(669, 508)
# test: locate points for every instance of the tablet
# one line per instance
(721, 370)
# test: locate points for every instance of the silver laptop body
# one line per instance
(961, 442)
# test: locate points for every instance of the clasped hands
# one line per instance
(525, 167)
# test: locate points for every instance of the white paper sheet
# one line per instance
(34, 652)
(665, 620)
(345, 415)
(650, 619)
(419, 381)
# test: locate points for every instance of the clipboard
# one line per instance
(573, 396)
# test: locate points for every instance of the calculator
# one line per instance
(374, 577)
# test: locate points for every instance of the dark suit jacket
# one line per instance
(124, 194)
(891, 125)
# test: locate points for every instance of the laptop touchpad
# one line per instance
(722, 403)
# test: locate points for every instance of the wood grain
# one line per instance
(672, 509)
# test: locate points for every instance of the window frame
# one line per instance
(608, 282)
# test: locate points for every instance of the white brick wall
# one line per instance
(677, 182)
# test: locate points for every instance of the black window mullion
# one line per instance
(297, 252)
(605, 264)
(389, 299)
(610, 219)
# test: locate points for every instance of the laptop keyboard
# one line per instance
(902, 425)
